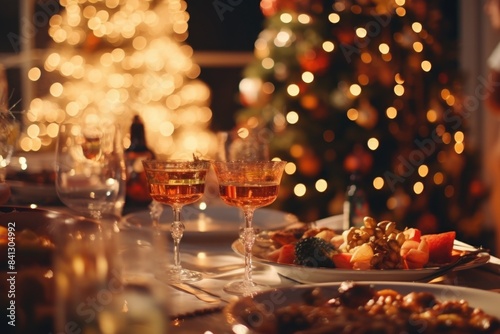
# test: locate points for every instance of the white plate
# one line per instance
(308, 275)
(271, 300)
(215, 219)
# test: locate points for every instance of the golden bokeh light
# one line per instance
(321, 185)
(112, 61)
(378, 182)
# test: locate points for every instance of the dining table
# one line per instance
(208, 246)
(216, 256)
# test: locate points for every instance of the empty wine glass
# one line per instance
(177, 183)
(248, 185)
(90, 168)
(243, 144)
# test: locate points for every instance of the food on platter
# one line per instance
(361, 308)
(376, 245)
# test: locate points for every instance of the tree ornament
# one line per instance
(316, 61)
(309, 164)
(359, 160)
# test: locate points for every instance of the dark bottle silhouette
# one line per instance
(137, 187)
(356, 205)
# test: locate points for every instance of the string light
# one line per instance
(113, 61)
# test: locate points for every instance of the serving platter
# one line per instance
(221, 220)
(270, 301)
(309, 275)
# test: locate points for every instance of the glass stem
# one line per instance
(177, 231)
(248, 238)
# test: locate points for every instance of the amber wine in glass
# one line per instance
(248, 185)
(177, 183)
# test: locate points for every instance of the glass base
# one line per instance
(244, 288)
(174, 275)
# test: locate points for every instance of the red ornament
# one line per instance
(359, 160)
(477, 188)
(309, 164)
(315, 61)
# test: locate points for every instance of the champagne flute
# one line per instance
(177, 183)
(248, 185)
(90, 168)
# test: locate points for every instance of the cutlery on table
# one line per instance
(199, 293)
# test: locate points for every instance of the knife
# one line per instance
(199, 293)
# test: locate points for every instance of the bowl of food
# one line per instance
(28, 242)
(31, 179)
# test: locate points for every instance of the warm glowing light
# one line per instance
(459, 136)
(366, 57)
(438, 178)
(431, 115)
(373, 144)
(304, 18)
(290, 168)
(450, 100)
(363, 79)
(56, 89)
(446, 138)
(378, 182)
(307, 77)
(401, 11)
(34, 74)
(417, 27)
(445, 93)
(423, 170)
(418, 187)
(459, 148)
(399, 90)
(296, 150)
(286, 18)
(334, 18)
(399, 79)
(299, 190)
(293, 90)
(328, 46)
(418, 46)
(391, 112)
(292, 117)
(321, 185)
(267, 63)
(352, 114)
(426, 65)
(355, 89)
(361, 32)
(282, 38)
(384, 48)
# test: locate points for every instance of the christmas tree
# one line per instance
(116, 59)
(369, 87)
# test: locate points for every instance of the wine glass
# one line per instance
(177, 183)
(9, 130)
(243, 144)
(90, 168)
(248, 185)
